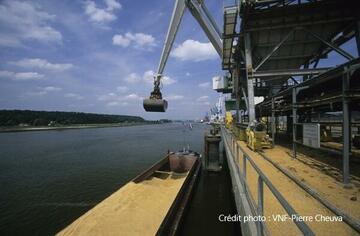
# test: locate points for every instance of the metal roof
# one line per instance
(230, 16)
(295, 25)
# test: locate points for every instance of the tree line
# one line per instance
(53, 118)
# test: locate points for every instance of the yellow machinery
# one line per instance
(257, 139)
(228, 119)
(242, 134)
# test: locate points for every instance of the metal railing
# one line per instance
(262, 179)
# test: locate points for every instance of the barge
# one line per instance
(153, 203)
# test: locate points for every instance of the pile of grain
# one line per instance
(299, 199)
(135, 209)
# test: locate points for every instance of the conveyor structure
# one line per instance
(271, 49)
(276, 55)
(275, 49)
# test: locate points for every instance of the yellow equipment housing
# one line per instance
(228, 119)
(257, 139)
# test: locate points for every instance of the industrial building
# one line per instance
(281, 152)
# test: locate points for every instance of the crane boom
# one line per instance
(207, 23)
(177, 14)
(200, 12)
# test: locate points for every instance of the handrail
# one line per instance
(302, 226)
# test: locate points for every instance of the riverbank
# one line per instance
(65, 127)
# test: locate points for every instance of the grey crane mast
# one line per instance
(155, 103)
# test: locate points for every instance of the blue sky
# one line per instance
(98, 56)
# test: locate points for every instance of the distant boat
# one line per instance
(187, 125)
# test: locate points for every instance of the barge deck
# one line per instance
(151, 204)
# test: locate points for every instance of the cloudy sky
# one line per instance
(99, 56)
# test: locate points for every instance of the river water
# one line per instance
(50, 178)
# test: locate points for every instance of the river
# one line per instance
(50, 178)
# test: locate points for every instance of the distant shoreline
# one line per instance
(65, 127)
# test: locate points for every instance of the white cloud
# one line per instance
(117, 97)
(107, 97)
(167, 80)
(113, 99)
(9, 41)
(111, 104)
(121, 40)
(73, 95)
(203, 100)
(21, 75)
(51, 89)
(6, 74)
(174, 97)
(132, 97)
(149, 77)
(112, 5)
(101, 15)
(138, 40)
(41, 64)
(38, 93)
(132, 78)
(115, 103)
(22, 20)
(28, 76)
(187, 74)
(141, 39)
(204, 85)
(44, 90)
(122, 89)
(193, 50)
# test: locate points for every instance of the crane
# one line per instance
(155, 103)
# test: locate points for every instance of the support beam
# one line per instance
(293, 79)
(195, 9)
(290, 57)
(236, 84)
(250, 84)
(210, 17)
(177, 14)
(288, 72)
(357, 36)
(274, 50)
(306, 66)
(314, 67)
(334, 47)
(346, 127)
(245, 98)
(273, 121)
(289, 43)
(294, 92)
(347, 34)
(316, 63)
(255, 28)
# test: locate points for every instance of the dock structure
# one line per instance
(292, 53)
(276, 55)
(278, 50)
